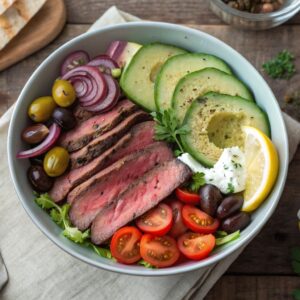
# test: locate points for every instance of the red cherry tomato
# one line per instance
(157, 221)
(159, 251)
(196, 246)
(178, 227)
(198, 221)
(124, 245)
(187, 197)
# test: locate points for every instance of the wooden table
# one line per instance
(263, 271)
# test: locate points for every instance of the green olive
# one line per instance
(41, 109)
(63, 93)
(56, 161)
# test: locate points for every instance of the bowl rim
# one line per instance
(238, 244)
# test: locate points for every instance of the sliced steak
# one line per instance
(140, 136)
(103, 142)
(139, 197)
(89, 198)
(83, 133)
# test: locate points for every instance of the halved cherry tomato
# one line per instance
(198, 221)
(159, 251)
(124, 245)
(157, 220)
(187, 197)
(178, 227)
(196, 246)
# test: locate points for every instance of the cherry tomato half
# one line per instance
(157, 221)
(198, 221)
(178, 227)
(124, 245)
(187, 197)
(196, 246)
(159, 251)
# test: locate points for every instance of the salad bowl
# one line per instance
(145, 32)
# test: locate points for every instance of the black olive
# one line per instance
(64, 118)
(236, 222)
(229, 206)
(38, 178)
(210, 199)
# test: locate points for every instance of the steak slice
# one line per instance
(103, 142)
(141, 195)
(83, 133)
(140, 136)
(89, 198)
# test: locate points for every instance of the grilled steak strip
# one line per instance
(89, 198)
(103, 142)
(141, 195)
(83, 133)
(140, 136)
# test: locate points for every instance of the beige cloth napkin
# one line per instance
(40, 270)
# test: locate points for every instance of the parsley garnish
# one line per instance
(60, 216)
(167, 128)
(145, 264)
(230, 188)
(198, 180)
(296, 267)
(236, 164)
(282, 66)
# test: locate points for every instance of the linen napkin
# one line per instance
(40, 270)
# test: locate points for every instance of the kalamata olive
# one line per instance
(35, 134)
(210, 199)
(56, 161)
(63, 93)
(64, 118)
(236, 222)
(39, 179)
(41, 109)
(229, 206)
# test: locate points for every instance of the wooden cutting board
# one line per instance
(39, 32)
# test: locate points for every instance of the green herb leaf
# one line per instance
(296, 294)
(230, 188)
(145, 264)
(45, 201)
(177, 152)
(198, 180)
(75, 235)
(282, 66)
(56, 217)
(103, 252)
(167, 127)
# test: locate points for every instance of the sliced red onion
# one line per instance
(80, 82)
(94, 79)
(111, 99)
(104, 63)
(54, 132)
(73, 60)
(115, 49)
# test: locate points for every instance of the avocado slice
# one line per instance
(178, 66)
(214, 122)
(201, 82)
(137, 80)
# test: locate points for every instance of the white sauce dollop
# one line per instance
(228, 174)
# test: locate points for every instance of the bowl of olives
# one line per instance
(44, 111)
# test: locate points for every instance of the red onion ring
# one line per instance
(74, 60)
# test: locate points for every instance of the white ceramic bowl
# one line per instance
(96, 42)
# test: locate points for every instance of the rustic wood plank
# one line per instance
(176, 11)
(253, 288)
(281, 232)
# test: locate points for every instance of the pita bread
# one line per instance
(5, 4)
(16, 17)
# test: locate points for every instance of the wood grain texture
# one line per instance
(39, 32)
(176, 11)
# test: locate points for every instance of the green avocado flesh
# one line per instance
(215, 122)
(177, 67)
(138, 78)
(198, 83)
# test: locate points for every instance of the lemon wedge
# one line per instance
(261, 167)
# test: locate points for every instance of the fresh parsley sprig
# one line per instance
(60, 216)
(167, 128)
(282, 66)
(198, 180)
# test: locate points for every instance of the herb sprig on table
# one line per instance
(282, 66)
(167, 128)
